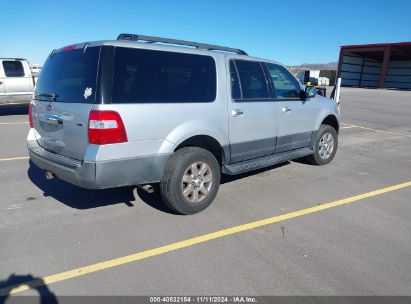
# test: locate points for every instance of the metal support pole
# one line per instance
(337, 91)
(340, 63)
(386, 61)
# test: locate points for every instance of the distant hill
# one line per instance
(328, 70)
(316, 66)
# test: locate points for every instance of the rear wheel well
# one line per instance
(206, 142)
(332, 121)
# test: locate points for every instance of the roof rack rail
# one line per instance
(204, 46)
(8, 58)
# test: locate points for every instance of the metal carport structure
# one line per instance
(385, 65)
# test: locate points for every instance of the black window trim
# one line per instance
(238, 78)
(270, 98)
(273, 87)
(105, 74)
(273, 93)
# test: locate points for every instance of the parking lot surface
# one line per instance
(48, 228)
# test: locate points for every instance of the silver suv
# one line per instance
(140, 110)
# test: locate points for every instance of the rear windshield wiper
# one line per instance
(50, 95)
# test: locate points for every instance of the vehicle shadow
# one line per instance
(302, 161)
(14, 110)
(79, 198)
(38, 284)
(225, 178)
(154, 199)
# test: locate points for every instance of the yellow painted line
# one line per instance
(346, 127)
(375, 130)
(189, 242)
(14, 158)
(14, 123)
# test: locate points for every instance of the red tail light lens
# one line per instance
(31, 115)
(106, 127)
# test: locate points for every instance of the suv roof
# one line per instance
(3, 58)
(176, 44)
(168, 44)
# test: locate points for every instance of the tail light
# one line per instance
(31, 115)
(106, 127)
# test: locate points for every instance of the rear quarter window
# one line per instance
(13, 68)
(148, 76)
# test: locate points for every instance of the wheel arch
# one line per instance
(206, 142)
(332, 121)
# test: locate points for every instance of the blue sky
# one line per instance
(291, 32)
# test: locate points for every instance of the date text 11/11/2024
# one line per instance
(203, 299)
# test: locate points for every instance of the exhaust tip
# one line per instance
(147, 188)
(49, 175)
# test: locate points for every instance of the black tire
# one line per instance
(315, 158)
(172, 185)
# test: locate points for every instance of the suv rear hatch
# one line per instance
(64, 96)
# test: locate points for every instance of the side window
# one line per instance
(235, 83)
(285, 85)
(148, 76)
(13, 68)
(252, 79)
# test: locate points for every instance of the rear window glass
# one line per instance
(147, 76)
(70, 76)
(13, 68)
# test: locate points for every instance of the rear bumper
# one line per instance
(99, 174)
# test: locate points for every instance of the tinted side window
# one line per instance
(235, 84)
(252, 79)
(13, 68)
(147, 76)
(284, 83)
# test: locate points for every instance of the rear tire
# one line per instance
(190, 181)
(325, 146)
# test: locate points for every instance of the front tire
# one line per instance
(325, 146)
(190, 181)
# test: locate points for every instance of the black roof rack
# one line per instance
(204, 46)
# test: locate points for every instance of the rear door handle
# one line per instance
(286, 109)
(237, 112)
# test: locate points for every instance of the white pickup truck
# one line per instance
(16, 81)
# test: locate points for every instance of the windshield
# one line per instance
(69, 76)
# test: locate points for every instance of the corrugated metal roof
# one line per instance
(373, 45)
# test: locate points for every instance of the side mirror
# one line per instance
(310, 92)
